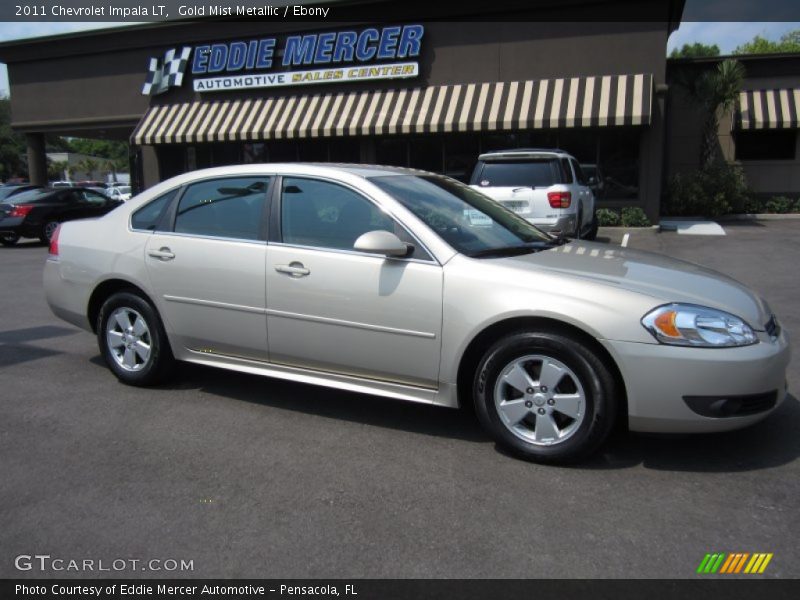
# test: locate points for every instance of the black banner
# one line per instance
(133, 11)
(734, 588)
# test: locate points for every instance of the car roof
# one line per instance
(522, 153)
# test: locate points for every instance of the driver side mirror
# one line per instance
(382, 242)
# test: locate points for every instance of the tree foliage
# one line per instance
(13, 148)
(715, 92)
(696, 50)
(788, 42)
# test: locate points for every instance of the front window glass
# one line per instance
(327, 215)
(231, 207)
(516, 173)
(470, 222)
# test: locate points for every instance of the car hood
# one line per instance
(664, 279)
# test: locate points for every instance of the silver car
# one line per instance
(413, 286)
(546, 187)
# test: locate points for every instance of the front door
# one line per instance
(333, 309)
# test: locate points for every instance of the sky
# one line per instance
(726, 35)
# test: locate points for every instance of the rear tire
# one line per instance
(48, 229)
(10, 239)
(132, 340)
(579, 224)
(545, 396)
(592, 234)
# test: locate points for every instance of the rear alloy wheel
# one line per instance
(545, 396)
(9, 239)
(48, 229)
(132, 340)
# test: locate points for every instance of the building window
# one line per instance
(776, 144)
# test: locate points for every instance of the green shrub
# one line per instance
(779, 204)
(710, 192)
(753, 205)
(796, 207)
(607, 217)
(633, 216)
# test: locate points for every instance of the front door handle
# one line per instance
(162, 253)
(295, 269)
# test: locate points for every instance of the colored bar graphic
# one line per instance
(703, 563)
(734, 563)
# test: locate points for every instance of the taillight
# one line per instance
(53, 251)
(21, 210)
(559, 199)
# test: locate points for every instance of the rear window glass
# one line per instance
(531, 173)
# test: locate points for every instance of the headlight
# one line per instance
(690, 325)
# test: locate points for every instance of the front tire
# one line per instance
(545, 397)
(132, 340)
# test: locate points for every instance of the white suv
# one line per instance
(546, 187)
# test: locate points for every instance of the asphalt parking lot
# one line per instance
(252, 477)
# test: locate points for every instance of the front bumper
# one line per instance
(659, 379)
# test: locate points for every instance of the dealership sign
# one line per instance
(332, 57)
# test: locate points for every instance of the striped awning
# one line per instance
(603, 101)
(768, 109)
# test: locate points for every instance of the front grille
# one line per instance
(772, 327)
(732, 406)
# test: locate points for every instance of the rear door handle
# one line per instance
(295, 269)
(161, 254)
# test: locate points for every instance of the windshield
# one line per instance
(124, 189)
(470, 222)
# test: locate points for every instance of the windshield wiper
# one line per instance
(559, 240)
(511, 250)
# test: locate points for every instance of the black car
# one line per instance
(37, 213)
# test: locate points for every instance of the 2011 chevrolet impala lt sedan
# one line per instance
(410, 285)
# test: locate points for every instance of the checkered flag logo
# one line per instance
(167, 73)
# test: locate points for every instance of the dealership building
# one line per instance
(425, 93)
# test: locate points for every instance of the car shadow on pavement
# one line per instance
(327, 402)
(15, 347)
(770, 443)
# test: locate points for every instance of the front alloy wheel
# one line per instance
(546, 396)
(540, 399)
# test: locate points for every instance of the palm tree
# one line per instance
(89, 166)
(716, 92)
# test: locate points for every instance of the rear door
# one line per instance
(208, 269)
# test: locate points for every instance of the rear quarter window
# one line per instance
(147, 217)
